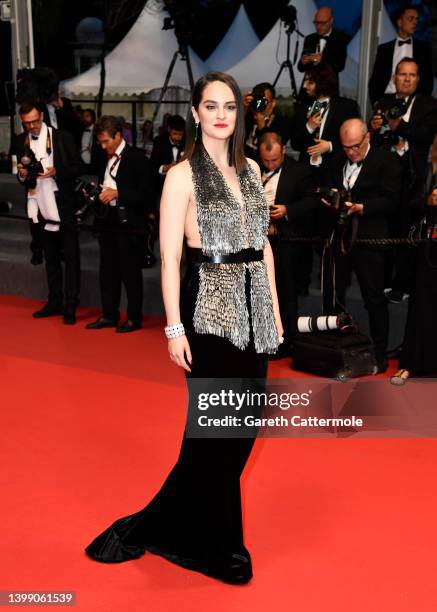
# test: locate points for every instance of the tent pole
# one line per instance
(369, 39)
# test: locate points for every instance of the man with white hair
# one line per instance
(371, 177)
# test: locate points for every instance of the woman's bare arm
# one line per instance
(173, 211)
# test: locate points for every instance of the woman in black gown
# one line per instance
(221, 324)
(419, 349)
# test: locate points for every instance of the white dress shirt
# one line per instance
(86, 144)
(52, 115)
(112, 169)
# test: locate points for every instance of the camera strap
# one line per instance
(266, 180)
(48, 142)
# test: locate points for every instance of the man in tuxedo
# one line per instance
(409, 135)
(167, 150)
(90, 150)
(391, 53)
(316, 127)
(124, 200)
(326, 44)
(261, 116)
(52, 198)
(372, 178)
(60, 114)
(287, 185)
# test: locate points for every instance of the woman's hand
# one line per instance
(279, 326)
(180, 352)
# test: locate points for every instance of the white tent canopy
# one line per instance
(238, 42)
(262, 64)
(139, 63)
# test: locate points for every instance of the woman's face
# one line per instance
(217, 112)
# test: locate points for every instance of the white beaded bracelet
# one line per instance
(174, 331)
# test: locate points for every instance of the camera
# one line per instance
(259, 102)
(88, 192)
(317, 107)
(342, 322)
(395, 110)
(33, 167)
(288, 14)
(337, 201)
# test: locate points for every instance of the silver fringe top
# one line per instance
(227, 226)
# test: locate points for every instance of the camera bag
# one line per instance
(333, 354)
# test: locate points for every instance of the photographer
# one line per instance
(287, 184)
(48, 164)
(405, 123)
(124, 199)
(371, 179)
(391, 53)
(262, 116)
(316, 128)
(326, 44)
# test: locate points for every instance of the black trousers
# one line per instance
(120, 262)
(58, 246)
(368, 266)
(288, 259)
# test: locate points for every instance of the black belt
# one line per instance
(244, 256)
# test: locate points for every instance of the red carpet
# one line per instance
(91, 425)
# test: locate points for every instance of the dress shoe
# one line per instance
(127, 326)
(400, 378)
(37, 258)
(101, 323)
(69, 315)
(48, 310)
(234, 569)
(396, 297)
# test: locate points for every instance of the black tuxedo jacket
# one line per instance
(377, 188)
(294, 191)
(419, 131)
(68, 121)
(334, 53)
(162, 154)
(133, 185)
(339, 110)
(98, 156)
(68, 165)
(382, 69)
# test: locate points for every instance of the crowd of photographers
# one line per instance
(351, 186)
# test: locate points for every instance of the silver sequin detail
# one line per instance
(227, 227)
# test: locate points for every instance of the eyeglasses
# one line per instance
(355, 147)
(315, 22)
(30, 123)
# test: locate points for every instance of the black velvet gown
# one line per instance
(195, 519)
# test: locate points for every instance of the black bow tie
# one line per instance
(87, 130)
(323, 37)
(404, 42)
(34, 137)
(358, 164)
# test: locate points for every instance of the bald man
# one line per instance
(326, 44)
(372, 176)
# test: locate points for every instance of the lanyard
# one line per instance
(271, 176)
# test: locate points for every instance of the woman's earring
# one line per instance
(196, 136)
